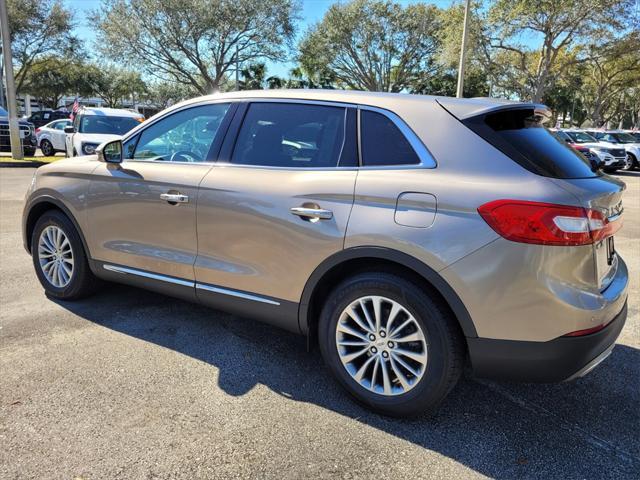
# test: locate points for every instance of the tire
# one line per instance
(442, 342)
(29, 152)
(634, 162)
(47, 148)
(81, 281)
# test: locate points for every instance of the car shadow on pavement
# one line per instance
(583, 429)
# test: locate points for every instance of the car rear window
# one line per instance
(383, 143)
(521, 135)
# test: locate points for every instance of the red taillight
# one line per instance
(37, 130)
(547, 223)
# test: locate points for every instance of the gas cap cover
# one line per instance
(414, 209)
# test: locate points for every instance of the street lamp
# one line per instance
(463, 51)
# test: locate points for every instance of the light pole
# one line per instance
(14, 126)
(463, 50)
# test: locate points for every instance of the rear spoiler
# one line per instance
(466, 108)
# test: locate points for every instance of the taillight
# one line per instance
(547, 223)
(37, 130)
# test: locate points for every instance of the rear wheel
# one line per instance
(390, 345)
(47, 148)
(632, 162)
(59, 258)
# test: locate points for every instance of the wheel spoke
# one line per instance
(386, 382)
(350, 357)
(361, 371)
(399, 375)
(352, 343)
(404, 364)
(347, 329)
(395, 309)
(374, 373)
(401, 327)
(418, 357)
(371, 324)
(412, 337)
(356, 318)
(376, 312)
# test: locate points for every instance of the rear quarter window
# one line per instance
(521, 135)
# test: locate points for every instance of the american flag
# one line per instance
(74, 109)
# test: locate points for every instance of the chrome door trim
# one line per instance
(235, 293)
(142, 273)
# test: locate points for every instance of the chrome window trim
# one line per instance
(235, 293)
(426, 159)
(153, 276)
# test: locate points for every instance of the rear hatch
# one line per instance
(518, 131)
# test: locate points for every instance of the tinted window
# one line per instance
(382, 143)
(290, 135)
(581, 137)
(185, 136)
(104, 124)
(521, 135)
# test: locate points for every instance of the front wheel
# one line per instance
(59, 258)
(392, 346)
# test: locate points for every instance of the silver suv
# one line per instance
(403, 234)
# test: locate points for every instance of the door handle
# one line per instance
(312, 214)
(174, 198)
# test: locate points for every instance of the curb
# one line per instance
(31, 164)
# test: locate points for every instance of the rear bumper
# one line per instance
(563, 358)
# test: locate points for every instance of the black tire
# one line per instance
(29, 152)
(47, 148)
(82, 282)
(634, 162)
(445, 344)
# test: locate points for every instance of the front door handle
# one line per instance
(174, 198)
(312, 214)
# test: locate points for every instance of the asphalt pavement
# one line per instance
(130, 384)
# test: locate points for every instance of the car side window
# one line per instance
(60, 125)
(382, 142)
(290, 135)
(184, 136)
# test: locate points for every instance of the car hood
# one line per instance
(96, 137)
(21, 121)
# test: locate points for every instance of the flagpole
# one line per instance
(463, 51)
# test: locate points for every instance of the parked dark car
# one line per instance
(27, 135)
(45, 116)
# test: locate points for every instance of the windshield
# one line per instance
(3, 112)
(625, 138)
(109, 125)
(581, 137)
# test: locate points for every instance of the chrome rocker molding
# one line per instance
(187, 283)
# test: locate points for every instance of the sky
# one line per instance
(312, 12)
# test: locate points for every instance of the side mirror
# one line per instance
(70, 129)
(110, 152)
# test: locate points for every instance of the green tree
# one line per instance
(372, 44)
(165, 94)
(39, 29)
(253, 77)
(612, 67)
(51, 78)
(561, 25)
(114, 85)
(196, 42)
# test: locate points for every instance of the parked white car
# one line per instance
(612, 156)
(93, 126)
(624, 140)
(51, 137)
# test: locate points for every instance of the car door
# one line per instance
(275, 206)
(68, 137)
(142, 213)
(57, 134)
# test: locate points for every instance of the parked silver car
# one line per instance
(403, 234)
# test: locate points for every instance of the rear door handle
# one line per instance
(174, 198)
(313, 214)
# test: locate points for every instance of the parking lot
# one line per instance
(130, 384)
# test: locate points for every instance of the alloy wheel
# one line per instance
(55, 256)
(381, 345)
